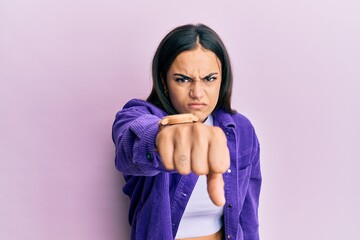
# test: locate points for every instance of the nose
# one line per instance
(196, 90)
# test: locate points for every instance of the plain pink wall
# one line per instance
(66, 67)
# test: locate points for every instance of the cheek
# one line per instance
(214, 94)
(176, 100)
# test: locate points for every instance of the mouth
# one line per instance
(196, 105)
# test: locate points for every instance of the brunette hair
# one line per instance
(184, 38)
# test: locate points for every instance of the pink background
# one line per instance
(66, 67)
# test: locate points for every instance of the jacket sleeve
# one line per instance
(134, 132)
(249, 214)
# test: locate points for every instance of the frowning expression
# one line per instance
(194, 81)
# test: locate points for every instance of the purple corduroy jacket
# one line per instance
(158, 197)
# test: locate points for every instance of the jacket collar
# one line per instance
(223, 119)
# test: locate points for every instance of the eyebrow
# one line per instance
(189, 78)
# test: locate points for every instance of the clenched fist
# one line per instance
(197, 148)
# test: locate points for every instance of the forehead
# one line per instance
(197, 60)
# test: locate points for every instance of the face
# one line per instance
(193, 82)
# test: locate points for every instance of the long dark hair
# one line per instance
(184, 38)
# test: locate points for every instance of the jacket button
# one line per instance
(148, 156)
(229, 206)
(229, 170)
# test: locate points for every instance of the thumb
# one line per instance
(215, 187)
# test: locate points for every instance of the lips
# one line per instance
(196, 105)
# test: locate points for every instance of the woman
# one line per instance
(195, 175)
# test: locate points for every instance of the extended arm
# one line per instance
(134, 132)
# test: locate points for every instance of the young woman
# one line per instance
(190, 162)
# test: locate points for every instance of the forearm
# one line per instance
(134, 134)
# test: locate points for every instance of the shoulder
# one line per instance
(241, 120)
(143, 107)
(241, 125)
(235, 120)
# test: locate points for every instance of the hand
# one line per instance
(197, 148)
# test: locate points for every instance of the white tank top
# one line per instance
(201, 217)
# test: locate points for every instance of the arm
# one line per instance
(134, 132)
(249, 214)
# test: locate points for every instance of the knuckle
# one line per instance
(200, 170)
(220, 166)
(167, 165)
(184, 171)
(224, 167)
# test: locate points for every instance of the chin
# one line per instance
(201, 117)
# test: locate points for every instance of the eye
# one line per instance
(210, 78)
(182, 79)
